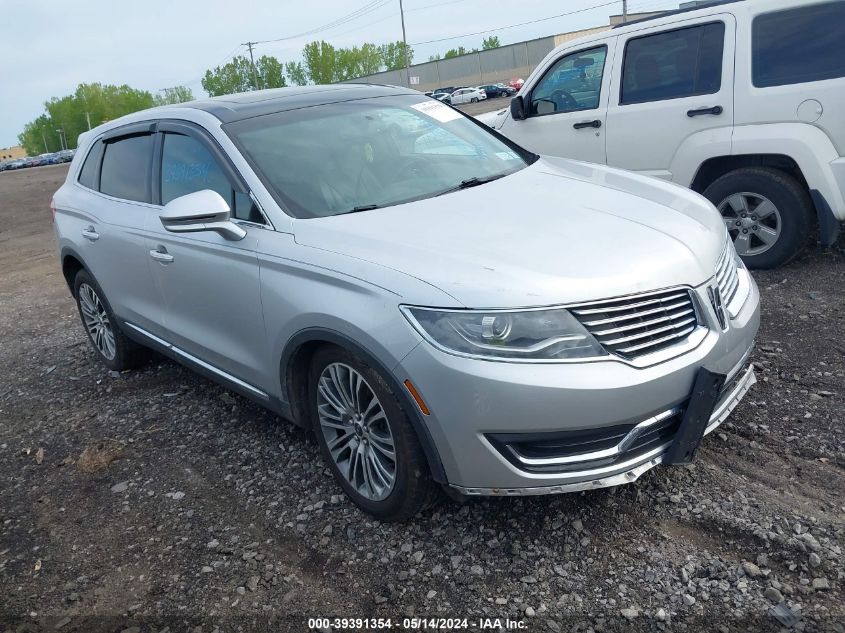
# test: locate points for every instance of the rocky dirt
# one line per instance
(155, 498)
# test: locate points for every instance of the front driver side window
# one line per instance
(187, 166)
(572, 84)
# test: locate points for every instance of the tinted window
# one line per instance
(573, 83)
(799, 45)
(673, 64)
(187, 166)
(126, 168)
(88, 173)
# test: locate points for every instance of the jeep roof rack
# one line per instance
(664, 14)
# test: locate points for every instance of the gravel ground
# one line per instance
(156, 498)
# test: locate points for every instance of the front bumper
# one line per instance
(474, 403)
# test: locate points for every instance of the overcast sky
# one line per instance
(50, 46)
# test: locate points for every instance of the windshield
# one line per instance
(370, 153)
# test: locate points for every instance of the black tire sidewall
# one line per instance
(792, 202)
(122, 346)
(409, 463)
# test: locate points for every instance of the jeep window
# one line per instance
(572, 84)
(673, 64)
(798, 45)
(126, 168)
(88, 173)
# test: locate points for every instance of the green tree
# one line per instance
(177, 94)
(96, 103)
(393, 55)
(490, 42)
(455, 52)
(237, 76)
(295, 72)
(319, 59)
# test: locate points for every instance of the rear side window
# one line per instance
(126, 168)
(798, 45)
(673, 64)
(90, 168)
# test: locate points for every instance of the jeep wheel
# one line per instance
(767, 212)
(366, 438)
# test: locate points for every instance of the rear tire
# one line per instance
(767, 212)
(117, 352)
(354, 411)
(474, 100)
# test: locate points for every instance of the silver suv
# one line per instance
(438, 304)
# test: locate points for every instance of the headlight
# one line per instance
(544, 334)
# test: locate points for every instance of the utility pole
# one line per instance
(249, 45)
(624, 11)
(44, 138)
(405, 45)
(88, 118)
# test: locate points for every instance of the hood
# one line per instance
(556, 232)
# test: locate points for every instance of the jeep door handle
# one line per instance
(161, 256)
(715, 110)
(90, 234)
(595, 124)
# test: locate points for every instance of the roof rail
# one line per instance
(664, 14)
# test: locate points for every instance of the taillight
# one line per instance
(53, 208)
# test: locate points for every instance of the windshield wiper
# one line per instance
(358, 209)
(472, 182)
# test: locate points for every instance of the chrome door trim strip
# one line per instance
(190, 357)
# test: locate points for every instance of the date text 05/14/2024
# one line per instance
(415, 623)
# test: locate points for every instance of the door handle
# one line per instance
(90, 234)
(161, 256)
(595, 124)
(715, 110)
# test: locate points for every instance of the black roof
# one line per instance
(249, 104)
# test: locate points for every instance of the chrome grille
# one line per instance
(727, 277)
(634, 326)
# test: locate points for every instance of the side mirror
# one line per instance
(518, 108)
(204, 210)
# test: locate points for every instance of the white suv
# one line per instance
(742, 101)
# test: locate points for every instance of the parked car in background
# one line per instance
(445, 97)
(447, 89)
(498, 90)
(468, 95)
(65, 155)
(743, 102)
(20, 163)
(570, 327)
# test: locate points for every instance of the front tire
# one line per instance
(768, 214)
(117, 352)
(366, 438)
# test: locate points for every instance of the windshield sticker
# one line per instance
(506, 156)
(437, 111)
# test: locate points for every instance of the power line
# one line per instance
(354, 15)
(511, 26)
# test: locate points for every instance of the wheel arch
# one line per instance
(72, 263)
(293, 372)
(714, 168)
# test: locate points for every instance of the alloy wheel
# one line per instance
(96, 321)
(356, 431)
(753, 222)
